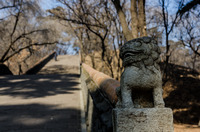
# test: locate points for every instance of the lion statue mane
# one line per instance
(141, 76)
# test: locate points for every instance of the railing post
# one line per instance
(140, 106)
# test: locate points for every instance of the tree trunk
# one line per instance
(134, 18)
(194, 62)
(167, 56)
(127, 33)
(142, 18)
(138, 19)
(92, 56)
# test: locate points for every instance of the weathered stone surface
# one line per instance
(140, 106)
(106, 83)
(141, 81)
(98, 106)
(142, 120)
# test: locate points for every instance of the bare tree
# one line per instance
(187, 7)
(82, 13)
(189, 34)
(23, 31)
(169, 22)
(138, 18)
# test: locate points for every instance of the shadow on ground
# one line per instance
(38, 118)
(183, 97)
(21, 115)
(32, 86)
(59, 69)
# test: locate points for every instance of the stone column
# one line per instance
(140, 106)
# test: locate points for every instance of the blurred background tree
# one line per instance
(102, 26)
(26, 34)
(98, 29)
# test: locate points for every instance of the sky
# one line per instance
(45, 5)
(48, 4)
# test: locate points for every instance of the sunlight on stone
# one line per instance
(2, 77)
(30, 121)
(18, 80)
(56, 81)
(24, 90)
(4, 88)
(43, 80)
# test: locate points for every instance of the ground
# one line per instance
(186, 128)
(47, 102)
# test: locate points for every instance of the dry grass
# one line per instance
(186, 128)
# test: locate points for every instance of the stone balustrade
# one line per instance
(105, 82)
(40, 64)
(99, 99)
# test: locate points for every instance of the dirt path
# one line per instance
(49, 102)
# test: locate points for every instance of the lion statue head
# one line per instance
(140, 52)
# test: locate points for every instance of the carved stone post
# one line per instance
(140, 106)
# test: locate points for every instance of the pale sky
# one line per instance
(48, 4)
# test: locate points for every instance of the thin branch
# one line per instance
(26, 47)
(16, 22)
(164, 17)
(188, 7)
(25, 34)
(5, 7)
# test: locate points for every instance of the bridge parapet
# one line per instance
(99, 98)
(40, 64)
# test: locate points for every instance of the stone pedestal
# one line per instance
(142, 120)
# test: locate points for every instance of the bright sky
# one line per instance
(48, 4)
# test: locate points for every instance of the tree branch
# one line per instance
(26, 47)
(127, 33)
(25, 34)
(188, 7)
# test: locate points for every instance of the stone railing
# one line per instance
(40, 64)
(136, 103)
(99, 99)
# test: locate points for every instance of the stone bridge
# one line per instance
(65, 96)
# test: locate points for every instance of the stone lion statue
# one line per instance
(141, 81)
